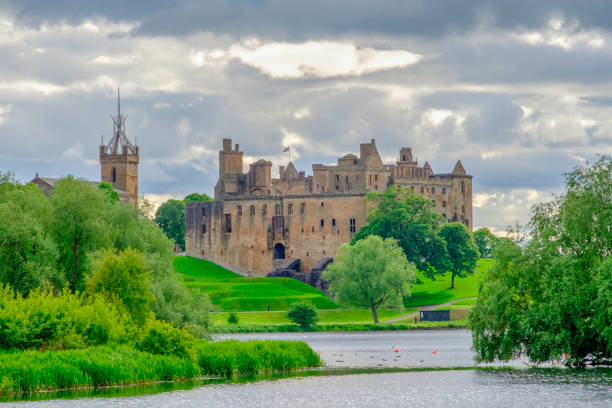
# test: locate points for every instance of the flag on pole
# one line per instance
(286, 149)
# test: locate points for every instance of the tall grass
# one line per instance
(28, 371)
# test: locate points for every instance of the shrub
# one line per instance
(65, 321)
(232, 318)
(304, 315)
(162, 338)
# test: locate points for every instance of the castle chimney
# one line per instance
(227, 144)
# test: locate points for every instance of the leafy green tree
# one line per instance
(303, 314)
(113, 196)
(170, 217)
(549, 298)
(232, 318)
(370, 273)
(485, 242)
(124, 279)
(197, 197)
(407, 217)
(78, 225)
(28, 255)
(462, 251)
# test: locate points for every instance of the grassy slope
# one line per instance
(436, 292)
(230, 291)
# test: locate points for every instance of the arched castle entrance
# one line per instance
(279, 251)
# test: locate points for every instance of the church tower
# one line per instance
(119, 159)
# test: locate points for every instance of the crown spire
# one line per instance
(119, 141)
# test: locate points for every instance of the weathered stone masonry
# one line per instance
(256, 222)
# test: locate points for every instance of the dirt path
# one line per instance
(429, 307)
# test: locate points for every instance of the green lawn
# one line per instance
(230, 291)
(325, 317)
(434, 292)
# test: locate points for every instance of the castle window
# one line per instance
(433, 190)
(114, 175)
(302, 230)
(337, 187)
(337, 178)
(412, 188)
(302, 208)
(239, 210)
(252, 210)
(463, 208)
(322, 223)
(264, 210)
(376, 187)
(463, 186)
(203, 228)
(312, 229)
(404, 158)
(433, 202)
(444, 215)
(277, 209)
(370, 179)
(444, 203)
(228, 222)
(321, 203)
(346, 179)
(443, 190)
(333, 222)
(355, 162)
(352, 225)
(422, 190)
(290, 209)
(376, 177)
(203, 211)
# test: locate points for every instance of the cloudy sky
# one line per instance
(520, 91)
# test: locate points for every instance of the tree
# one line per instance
(78, 225)
(170, 217)
(303, 314)
(113, 196)
(197, 197)
(28, 254)
(485, 242)
(407, 217)
(124, 279)
(549, 298)
(462, 251)
(370, 273)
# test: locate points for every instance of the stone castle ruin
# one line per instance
(292, 225)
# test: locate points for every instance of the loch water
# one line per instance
(433, 368)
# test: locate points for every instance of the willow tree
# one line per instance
(550, 298)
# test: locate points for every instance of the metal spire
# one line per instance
(119, 139)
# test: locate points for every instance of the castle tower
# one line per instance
(119, 159)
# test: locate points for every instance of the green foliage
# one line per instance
(462, 251)
(230, 291)
(407, 217)
(78, 225)
(29, 371)
(123, 278)
(485, 242)
(197, 197)
(113, 196)
(22, 372)
(371, 273)
(232, 318)
(28, 254)
(248, 358)
(162, 338)
(170, 217)
(42, 320)
(304, 315)
(551, 296)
